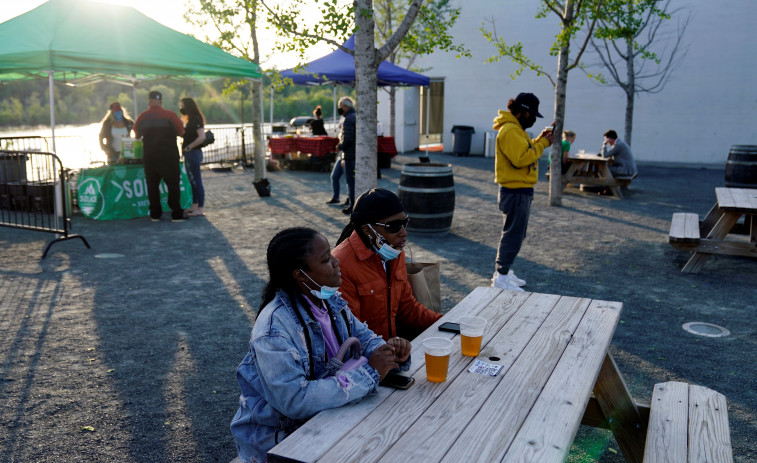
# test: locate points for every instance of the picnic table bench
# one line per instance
(687, 423)
(588, 169)
(708, 237)
(556, 374)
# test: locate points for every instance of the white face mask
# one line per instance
(382, 248)
(325, 292)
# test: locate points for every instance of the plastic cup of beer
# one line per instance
(471, 333)
(437, 358)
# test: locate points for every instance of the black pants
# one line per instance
(168, 171)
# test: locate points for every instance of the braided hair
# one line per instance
(286, 252)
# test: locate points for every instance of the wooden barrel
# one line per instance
(427, 191)
(741, 167)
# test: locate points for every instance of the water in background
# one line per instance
(77, 145)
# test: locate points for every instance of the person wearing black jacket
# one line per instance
(316, 125)
(346, 108)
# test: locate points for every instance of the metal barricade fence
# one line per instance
(232, 145)
(34, 194)
(27, 143)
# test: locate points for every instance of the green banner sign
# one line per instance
(120, 192)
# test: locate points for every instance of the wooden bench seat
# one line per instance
(684, 229)
(687, 423)
(625, 181)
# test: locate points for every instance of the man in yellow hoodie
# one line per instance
(516, 168)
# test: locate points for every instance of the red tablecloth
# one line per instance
(386, 146)
(315, 146)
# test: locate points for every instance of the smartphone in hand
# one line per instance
(397, 381)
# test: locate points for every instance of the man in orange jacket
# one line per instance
(374, 278)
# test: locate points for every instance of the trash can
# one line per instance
(461, 137)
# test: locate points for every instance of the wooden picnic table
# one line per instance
(592, 170)
(556, 374)
(686, 231)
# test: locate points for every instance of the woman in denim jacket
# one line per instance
(290, 373)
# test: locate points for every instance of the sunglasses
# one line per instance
(393, 226)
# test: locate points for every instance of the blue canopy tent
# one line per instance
(338, 68)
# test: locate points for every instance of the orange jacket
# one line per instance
(366, 290)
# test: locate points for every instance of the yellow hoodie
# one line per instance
(516, 164)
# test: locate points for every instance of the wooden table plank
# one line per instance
(372, 437)
(564, 398)
(310, 441)
(436, 430)
(511, 401)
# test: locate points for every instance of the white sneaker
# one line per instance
(504, 282)
(514, 278)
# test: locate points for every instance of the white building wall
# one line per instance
(709, 103)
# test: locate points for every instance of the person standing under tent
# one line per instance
(194, 137)
(116, 126)
(158, 129)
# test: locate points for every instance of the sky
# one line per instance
(170, 13)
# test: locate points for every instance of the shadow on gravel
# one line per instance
(170, 330)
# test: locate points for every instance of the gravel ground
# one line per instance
(133, 358)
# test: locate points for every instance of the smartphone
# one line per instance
(450, 327)
(397, 381)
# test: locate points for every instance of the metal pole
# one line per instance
(135, 102)
(271, 109)
(335, 105)
(52, 107)
(428, 109)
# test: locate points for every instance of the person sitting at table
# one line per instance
(621, 163)
(291, 371)
(116, 126)
(316, 125)
(568, 138)
(374, 276)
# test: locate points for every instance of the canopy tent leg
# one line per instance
(134, 88)
(271, 109)
(52, 107)
(428, 115)
(335, 107)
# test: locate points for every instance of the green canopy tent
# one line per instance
(83, 41)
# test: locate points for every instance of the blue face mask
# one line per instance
(385, 251)
(119, 115)
(325, 292)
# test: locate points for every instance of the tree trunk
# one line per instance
(366, 72)
(392, 110)
(257, 130)
(630, 89)
(257, 100)
(555, 177)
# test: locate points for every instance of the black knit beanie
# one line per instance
(370, 207)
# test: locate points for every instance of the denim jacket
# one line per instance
(277, 395)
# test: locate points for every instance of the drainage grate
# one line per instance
(706, 329)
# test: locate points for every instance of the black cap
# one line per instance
(529, 102)
(374, 205)
(155, 95)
